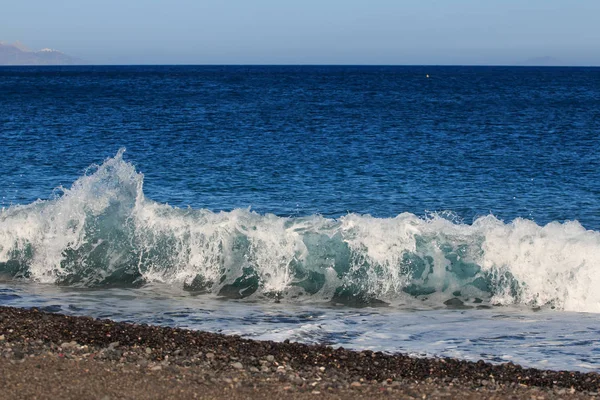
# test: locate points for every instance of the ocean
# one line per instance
(428, 210)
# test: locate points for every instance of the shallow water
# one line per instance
(545, 339)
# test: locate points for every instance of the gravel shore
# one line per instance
(52, 356)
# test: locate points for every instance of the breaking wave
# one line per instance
(103, 231)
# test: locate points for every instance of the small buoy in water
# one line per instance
(428, 75)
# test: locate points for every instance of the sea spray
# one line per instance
(103, 231)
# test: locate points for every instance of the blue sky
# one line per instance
(309, 31)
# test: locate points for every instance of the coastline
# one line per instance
(45, 355)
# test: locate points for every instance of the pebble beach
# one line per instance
(50, 356)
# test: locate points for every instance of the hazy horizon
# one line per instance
(266, 32)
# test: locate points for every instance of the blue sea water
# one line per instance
(446, 211)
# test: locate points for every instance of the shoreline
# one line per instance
(180, 363)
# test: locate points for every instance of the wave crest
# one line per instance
(103, 231)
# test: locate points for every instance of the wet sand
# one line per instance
(52, 356)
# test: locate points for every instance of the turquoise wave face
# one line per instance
(103, 232)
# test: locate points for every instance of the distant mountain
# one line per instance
(18, 54)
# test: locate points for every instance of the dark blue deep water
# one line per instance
(446, 211)
(514, 142)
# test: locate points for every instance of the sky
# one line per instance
(383, 32)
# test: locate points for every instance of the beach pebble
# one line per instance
(68, 345)
(296, 380)
(237, 365)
